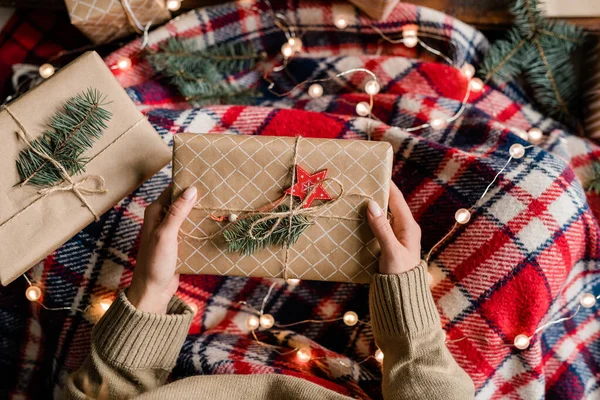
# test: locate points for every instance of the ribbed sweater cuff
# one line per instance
(140, 340)
(402, 304)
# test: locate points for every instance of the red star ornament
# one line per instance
(305, 183)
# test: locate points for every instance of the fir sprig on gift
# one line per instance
(238, 238)
(71, 132)
(594, 183)
(201, 75)
(538, 50)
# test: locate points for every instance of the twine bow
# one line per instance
(131, 18)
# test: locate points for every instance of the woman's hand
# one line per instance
(400, 239)
(154, 280)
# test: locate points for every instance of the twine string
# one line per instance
(131, 18)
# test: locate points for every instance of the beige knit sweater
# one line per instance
(133, 353)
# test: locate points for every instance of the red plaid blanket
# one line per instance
(529, 252)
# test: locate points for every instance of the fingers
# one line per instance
(381, 227)
(154, 212)
(179, 210)
(403, 223)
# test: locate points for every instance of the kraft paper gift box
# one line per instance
(103, 21)
(129, 152)
(240, 174)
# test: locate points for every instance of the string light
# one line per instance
(315, 91)
(379, 356)
(252, 322)
(409, 36)
(437, 123)
(293, 281)
(363, 109)
(587, 300)
(372, 87)
(266, 321)
(287, 50)
(304, 355)
(341, 23)
(232, 217)
(517, 151)
(295, 43)
(124, 63)
(194, 307)
(173, 5)
(33, 293)
(350, 318)
(105, 304)
(535, 135)
(476, 84)
(46, 70)
(521, 341)
(462, 216)
(468, 70)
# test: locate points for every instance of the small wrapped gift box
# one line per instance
(247, 186)
(36, 220)
(103, 21)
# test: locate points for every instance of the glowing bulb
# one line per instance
(252, 322)
(372, 87)
(303, 355)
(534, 135)
(341, 23)
(295, 43)
(437, 123)
(521, 341)
(104, 305)
(33, 293)
(173, 5)
(124, 63)
(476, 84)
(232, 217)
(293, 281)
(379, 355)
(522, 134)
(287, 50)
(46, 70)
(194, 307)
(267, 321)
(315, 90)
(363, 109)
(410, 41)
(350, 318)
(462, 216)
(587, 300)
(468, 70)
(517, 151)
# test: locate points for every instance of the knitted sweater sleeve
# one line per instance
(132, 351)
(407, 329)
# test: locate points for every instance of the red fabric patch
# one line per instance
(303, 123)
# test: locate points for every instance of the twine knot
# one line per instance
(79, 187)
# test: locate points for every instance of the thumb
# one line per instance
(180, 209)
(381, 226)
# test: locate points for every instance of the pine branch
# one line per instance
(71, 132)
(238, 240)
(201, 75)
(594, 183)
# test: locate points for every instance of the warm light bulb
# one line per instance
(350, 318)
(33, 293)
(267, 321)
(287, 50)
(341, 23)
(303, 355)
(173, 5)
(372, 87)
(468, 70)
(293, 281)
(587, 300)
(46, 70)
(194, 307)
(476, 84)
(535, 135)
(105, 304)
(232, 217)
(315, 90)
(252, 322)
(522, 134)
(517, 151)
(521, 341)
(295, 43)
(437, 123)
(363, 109)
(124, 63)
(379, 355)
(462, 216)
(410, 41)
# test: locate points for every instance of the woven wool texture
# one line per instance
(525, 258)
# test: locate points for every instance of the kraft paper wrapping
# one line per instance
(128, 153)
(103, 21)
(249, 172)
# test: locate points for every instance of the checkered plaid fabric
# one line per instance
(529, 252)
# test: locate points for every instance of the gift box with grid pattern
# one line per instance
(242, 174)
